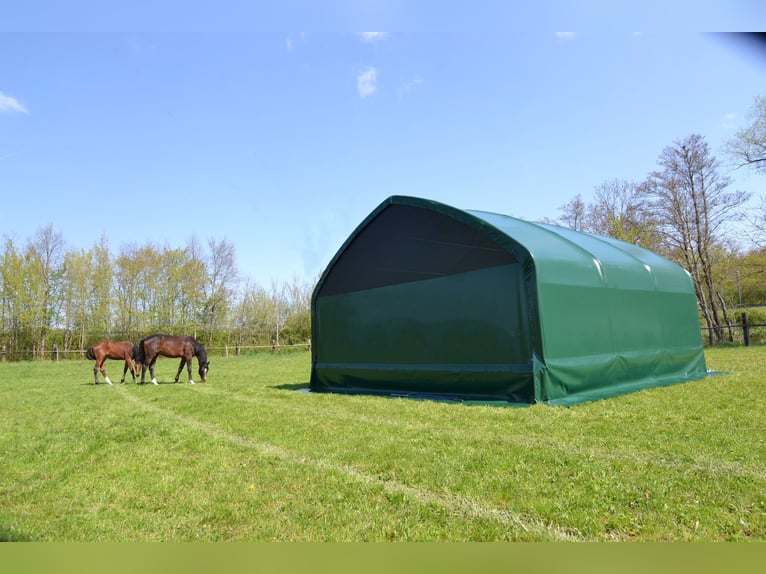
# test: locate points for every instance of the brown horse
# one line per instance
(171, 346)
(103, 350)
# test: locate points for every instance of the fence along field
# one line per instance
(247, 456)
(749, 328)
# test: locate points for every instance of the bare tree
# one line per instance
(222, 278)
(748, 149)
(575, 214)
(748, 146)
(622, 209)
(692, 206)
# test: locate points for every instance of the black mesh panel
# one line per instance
(404, 244)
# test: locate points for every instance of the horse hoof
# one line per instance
(191, 382)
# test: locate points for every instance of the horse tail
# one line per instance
(89, 354)
(140, 353)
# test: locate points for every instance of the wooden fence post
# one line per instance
(746, 329)
(55, 352)
(2, 355)
(236, 349)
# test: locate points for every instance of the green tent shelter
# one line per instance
(427, 300)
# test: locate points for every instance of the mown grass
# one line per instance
(247, 457)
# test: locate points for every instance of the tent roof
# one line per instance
(559, 254)
(587, 259)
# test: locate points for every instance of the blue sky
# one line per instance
(282, 142)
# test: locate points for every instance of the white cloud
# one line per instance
(729, 121)
(410, 87)
(366, 82)
(565, 35)
(9, 104)
(293, 40)
(372, 36)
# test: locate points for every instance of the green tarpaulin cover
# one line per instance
(425, 299)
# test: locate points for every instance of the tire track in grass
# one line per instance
(649, 459)
(456, 505)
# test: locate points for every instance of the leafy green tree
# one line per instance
(100, 304)
(76, 294)
(744, 277)
(253, 315)
(298, 323)
(126, 300)
(44, 260)
(148, 265)
(12, 271)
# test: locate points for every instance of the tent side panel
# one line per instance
(577, 380)
(616, 341)
(464, 334)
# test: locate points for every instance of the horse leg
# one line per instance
(148, 365)
(95, 372)
(103, 370)
(188, 369)
(129, 365)
(132, 369)
(180, 368)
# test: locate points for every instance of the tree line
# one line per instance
(687, 211)
(51, 295)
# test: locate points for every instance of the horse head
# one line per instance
(203, 367)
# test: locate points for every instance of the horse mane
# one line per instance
(199, 350)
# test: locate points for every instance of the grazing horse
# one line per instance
(171, 346)
(103, 350)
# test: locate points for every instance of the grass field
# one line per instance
(248, 457)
